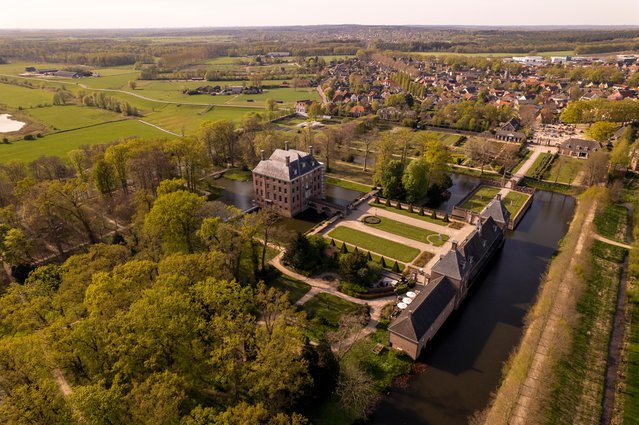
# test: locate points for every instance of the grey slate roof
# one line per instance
(497, 210)
(300, 163)
(426, 307)
(577, 145)
(515, 134)
(451, 264)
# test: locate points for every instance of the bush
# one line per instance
(29, 137)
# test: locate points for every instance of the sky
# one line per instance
(48, 14)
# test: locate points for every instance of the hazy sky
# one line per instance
(212, 13)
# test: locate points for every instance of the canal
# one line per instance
(462, 365)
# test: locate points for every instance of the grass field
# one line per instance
(564, 170)
(188, 118)
(533, 169)
(447, 139)
(612, 222)
(410, 232)
(514, 201)
(238, 175)
(61, 143)
(373, 243)
(347, 184)
(631, 390)
(351, 172)
(293, 288)
(375, 258)
(427, 218)
(72, 116)
(17, 96)
(480, 198)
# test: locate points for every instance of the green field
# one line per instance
(61, 143)
(373, 243)
(631, 391)
(438, 221)
(514, 201)
(410, 232)
(293, 288)
(538, 163)
(238, 175)
(330, 308)
(612, 222)
(18, 96)
(188, 118)
(72, 116)
(564, 170)
(347, 184)
(480, 198)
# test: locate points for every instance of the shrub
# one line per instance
(388, 204)
(29, 137)
(433, 215)
(396, 267)
(446, 219)
(398, 205)
(421, 211)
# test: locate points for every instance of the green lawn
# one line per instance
(18, 96)
(410, 232)
(293, 288)
(347, 184)
(514, 201)
(238, 175)
(376, 258)
(187, 118)
(535, 168)
(631, 391)
(373, 243)
(611, 222)
(330, 308)
(448, 139)
(61, 143)
(480, 198)
(72, 116)
(564, 170)
(427, 218)
(351, 172)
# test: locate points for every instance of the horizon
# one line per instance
(192, 14)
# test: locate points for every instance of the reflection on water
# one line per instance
(238, 194)
(340, 196)
(462, 185)
(463, 362)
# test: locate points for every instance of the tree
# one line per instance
(508, 158)
(390, 179)
(416, 180)
(602, 131)
(351, 265)
(620, 155)
(174, 219)
(385, 154)
(368, 139)
(595, 168)
(15, 246)
(356, 390)
(267, 217)
(479, 150)
(104, 177)
(132, 84)
(437, 157)
(219, 139)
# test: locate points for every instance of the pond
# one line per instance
(236, 193)
(340, 196)
(7, 124)
(463, 362)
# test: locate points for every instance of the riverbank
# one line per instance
(556, 374)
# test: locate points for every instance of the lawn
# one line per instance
(293, 288)
(564, 170)
(61, 143)
(448, 139)
(347, 184)
(539, 167)
(631, 391)
(286, 95)
(72, 116)
(187, 118)
(388, 263)
(427, 218)
(239, 175)
(410, 232)
(522, 161)
(480, 198)
(514, 201)
(612, 222)
(330, 308)
(376, 244)
(351, 172)
(18, 96)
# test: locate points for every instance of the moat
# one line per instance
(463, 362)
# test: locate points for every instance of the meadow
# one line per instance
(59, 144)
(376, 244)
(23, 97)
(72, 116)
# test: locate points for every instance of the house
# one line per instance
(288, 180)
(30, 69)
(578, 148)
(451, 277)
(302, 106)
(510, 136)
(357, 111)
(273, 55)
(66, 74)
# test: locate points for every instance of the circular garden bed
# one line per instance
(370, 219)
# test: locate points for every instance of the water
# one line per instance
(463, 362)
(462, 186)
(340, 196)
(7, 125)
(236, 193)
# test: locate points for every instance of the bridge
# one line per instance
(322, 206)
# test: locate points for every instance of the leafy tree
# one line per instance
(602, 131)
(390, 179)
(350, 266)
(416, 180)
(104, 177)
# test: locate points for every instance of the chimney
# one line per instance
(285, 146)
(498, 196)
(311, 150)
(288, 160)
(263, 153)
(454, 247)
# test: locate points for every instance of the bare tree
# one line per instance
(479, 150)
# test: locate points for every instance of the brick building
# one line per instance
(288, 180)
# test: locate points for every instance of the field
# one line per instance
(612, 222)
(564, 170)
(293, 288)
(429, 219)
(514, 201)
(347, 184)
(23, 97)
(373, 243)
(60, 144)
(187, 119)
(72, 116)
(410, 232)
(480, 198)
(539, 167)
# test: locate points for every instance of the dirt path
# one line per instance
(61, 381)
(549, 333)
(611, 242)
(160, 128)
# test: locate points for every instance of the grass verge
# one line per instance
(379, 245)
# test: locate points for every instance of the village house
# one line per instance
(288, 180)
(450, 279)
(578, 148)
(302, 106)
